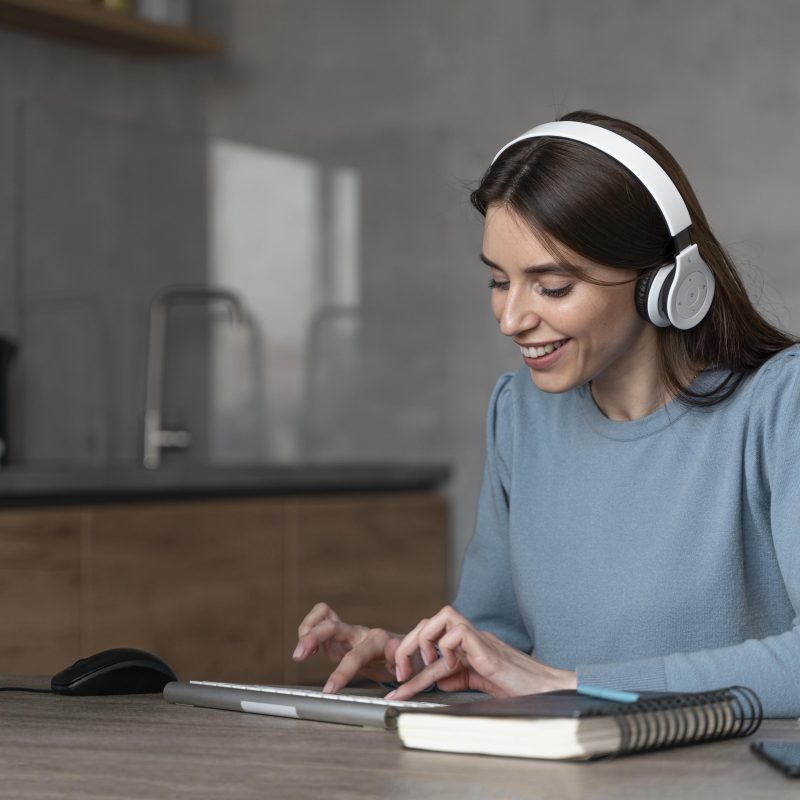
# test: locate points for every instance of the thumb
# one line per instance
(457, 682)
(465, 680)
(389, 652)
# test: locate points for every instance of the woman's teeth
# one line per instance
(538, 352)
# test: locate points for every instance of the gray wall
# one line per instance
(419, 95)
(717, 82)
(101, 204)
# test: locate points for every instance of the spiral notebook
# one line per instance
(571, 726)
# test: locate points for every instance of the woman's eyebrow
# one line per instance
(532, 270)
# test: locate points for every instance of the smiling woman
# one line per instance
(571, 330)
(637, 522)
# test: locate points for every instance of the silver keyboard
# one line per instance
(283, 701)
(346, 698)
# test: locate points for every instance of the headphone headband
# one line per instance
(644, 167)
(680, 293)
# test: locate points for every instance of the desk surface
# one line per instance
(142, 747)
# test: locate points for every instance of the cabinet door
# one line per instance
(40, 599)
(200, 584)
(379, 560)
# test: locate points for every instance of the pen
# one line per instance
(614, 695)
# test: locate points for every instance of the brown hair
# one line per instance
(572, 195)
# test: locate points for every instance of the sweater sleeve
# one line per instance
(486, 593)
(770, 666)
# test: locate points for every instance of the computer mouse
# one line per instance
(118, 671)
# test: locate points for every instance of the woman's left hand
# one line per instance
(470, 659)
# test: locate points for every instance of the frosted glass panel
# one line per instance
(284, 234)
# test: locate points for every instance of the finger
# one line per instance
(460, 681)
(451, 672)
(494, 666)
(320, 612)
(464, 644)
(478, 654)
(369, 649)
(428, 650)
(437, 630)
(422, 680)
(425, 637)
(406, 652)
(389, 657)
(389, 653)
(308, 644)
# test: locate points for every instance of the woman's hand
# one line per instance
(357, 650)
(460, 657)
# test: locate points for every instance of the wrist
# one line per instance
(564, 679)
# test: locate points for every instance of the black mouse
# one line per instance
(118, 671)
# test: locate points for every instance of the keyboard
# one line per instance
(283, 701)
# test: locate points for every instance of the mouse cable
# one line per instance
(19, 689)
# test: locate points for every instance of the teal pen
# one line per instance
(608, 694)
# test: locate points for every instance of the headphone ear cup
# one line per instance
(640, 295)
(687, 302)
(651, 293)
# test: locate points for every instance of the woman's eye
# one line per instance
(562, 292)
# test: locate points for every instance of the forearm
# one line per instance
(770, 666)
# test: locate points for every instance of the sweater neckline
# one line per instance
(627, 430)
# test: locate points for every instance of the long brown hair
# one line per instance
(572, 195)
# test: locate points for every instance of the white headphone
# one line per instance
(679, 293)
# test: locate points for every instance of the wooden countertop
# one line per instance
(142, 747)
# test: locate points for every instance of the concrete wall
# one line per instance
(716, 81)
(418, 96)
(101, 204)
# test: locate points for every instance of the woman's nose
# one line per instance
(518, 314)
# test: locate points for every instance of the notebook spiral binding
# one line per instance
(690, 718)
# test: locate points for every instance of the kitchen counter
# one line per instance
(24, 486)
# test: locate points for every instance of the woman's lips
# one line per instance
(547, 360)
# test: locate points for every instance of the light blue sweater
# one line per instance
(657, 554)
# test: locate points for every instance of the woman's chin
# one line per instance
(555, 384)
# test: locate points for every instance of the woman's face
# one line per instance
(593, 332)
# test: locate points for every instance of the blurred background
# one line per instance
(236, 243)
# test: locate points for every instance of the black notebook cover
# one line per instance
(564, 703)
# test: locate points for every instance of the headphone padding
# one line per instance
(650, 295)
(642, 290)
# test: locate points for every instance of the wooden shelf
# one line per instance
(68, 19)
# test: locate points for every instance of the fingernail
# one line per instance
(390, 695)
(299, 651)
(327, 688)
(425, 658)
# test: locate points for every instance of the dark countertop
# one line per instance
(24, 486)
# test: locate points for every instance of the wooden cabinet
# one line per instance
(40, 590)
(378, 561)
(201, 584)
(216, 588)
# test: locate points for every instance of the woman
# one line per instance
(638, 525)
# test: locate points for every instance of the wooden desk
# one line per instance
(142, 747)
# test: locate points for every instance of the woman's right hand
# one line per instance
(356, 650)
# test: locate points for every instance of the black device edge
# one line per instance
(790, 770)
